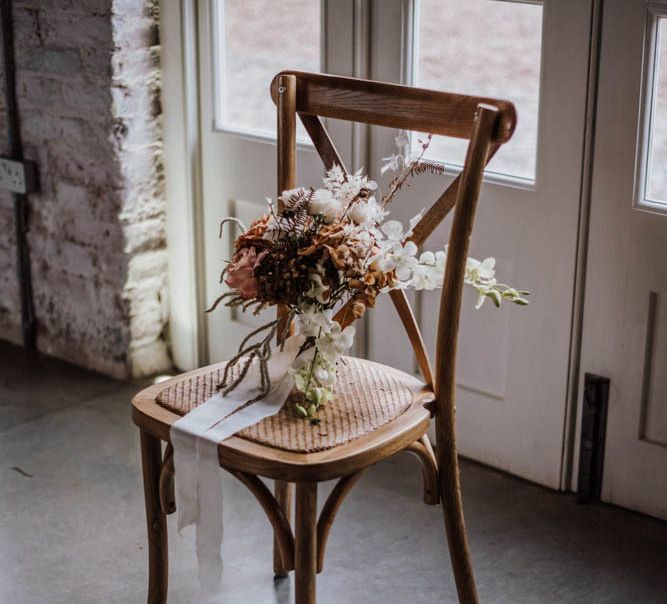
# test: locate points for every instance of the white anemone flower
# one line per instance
(324, 202)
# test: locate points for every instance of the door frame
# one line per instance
(182, 167)
(568, 479)
(184, 203)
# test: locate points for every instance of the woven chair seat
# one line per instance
(368, 396)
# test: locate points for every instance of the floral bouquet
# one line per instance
(318, 250)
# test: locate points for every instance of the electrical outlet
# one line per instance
(17, 176)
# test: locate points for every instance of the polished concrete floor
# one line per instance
(72, 524)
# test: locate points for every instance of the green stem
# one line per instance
(312, 365)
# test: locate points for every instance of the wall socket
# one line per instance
(18, 176)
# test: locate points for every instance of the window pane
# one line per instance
(656, 173)
(259, 38)
(484, 48)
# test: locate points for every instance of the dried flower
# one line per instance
(319, 248)
(241, 271)
(326, 205)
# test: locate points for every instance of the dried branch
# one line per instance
(408, 172)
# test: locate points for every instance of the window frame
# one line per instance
(453, 168)
(655, 11)
(220, 125)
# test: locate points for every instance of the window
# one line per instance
(485, 48)
(652, 171)
(254, 40)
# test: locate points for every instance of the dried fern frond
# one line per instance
(428, 166)
(296, 198)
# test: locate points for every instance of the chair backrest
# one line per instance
(486, 123)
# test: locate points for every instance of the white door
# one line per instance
(625, 317)
(513, 367)
(242, 45)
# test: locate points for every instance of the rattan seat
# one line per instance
(368, 396)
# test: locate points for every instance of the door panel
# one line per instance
(625, 314)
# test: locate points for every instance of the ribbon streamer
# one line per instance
(195, 438)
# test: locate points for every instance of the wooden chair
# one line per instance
(380, 411)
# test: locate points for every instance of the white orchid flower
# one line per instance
(429, 273)
(406, 261)
(398, 257)
(312, 321)
(393, 230)
(317, 288)
(331, 345)
(480, 271)
(397, 161)
(402, 140)
(422, 277)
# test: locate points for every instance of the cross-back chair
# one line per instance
(379, 411)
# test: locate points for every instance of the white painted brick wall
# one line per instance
(88, 82)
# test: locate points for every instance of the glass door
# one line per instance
(242, 45)
(513, 366)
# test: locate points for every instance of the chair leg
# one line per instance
(158, 556)
(452, 506)
(283, 494)
(305, 560)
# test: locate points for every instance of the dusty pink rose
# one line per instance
(241, 272)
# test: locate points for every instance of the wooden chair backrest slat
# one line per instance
(395, 106)
(487, 123)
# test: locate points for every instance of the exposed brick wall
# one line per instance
(88, 94)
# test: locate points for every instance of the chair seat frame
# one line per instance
(487, 124)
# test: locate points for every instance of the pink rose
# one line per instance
(241, 272)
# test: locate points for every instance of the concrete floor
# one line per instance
(72, 524)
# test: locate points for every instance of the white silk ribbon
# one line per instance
(195, 438)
